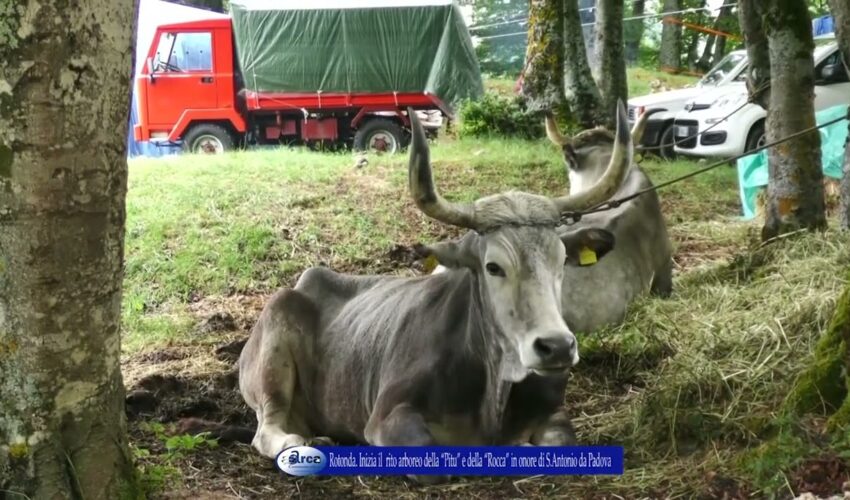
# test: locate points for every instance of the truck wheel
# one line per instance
(379, 136)
(756, 138)
(666, 143)
(207, 138)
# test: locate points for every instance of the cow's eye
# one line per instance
(494, 269)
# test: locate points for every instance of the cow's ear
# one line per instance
(586, 246)
(453, 254)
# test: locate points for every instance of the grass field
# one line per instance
(691, 386)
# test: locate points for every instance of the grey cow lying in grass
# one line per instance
(477, 354)
(643, 259)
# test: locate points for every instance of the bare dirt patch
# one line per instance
(695, 251)
(822, 476)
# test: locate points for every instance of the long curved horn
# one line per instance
(422, 183)
(609, 183)
(640, 126)
(553, 133)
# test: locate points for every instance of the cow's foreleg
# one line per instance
(557, 430)
(278, 425)
(402, 426)
(662, 283)
(268, 377)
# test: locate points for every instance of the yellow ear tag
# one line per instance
(586, 256)
(430, 263)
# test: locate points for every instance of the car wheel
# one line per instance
(208, 138)
(379, 136)
(756, 138)
(666, 143)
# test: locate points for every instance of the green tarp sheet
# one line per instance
(360, 46)
(752, 169)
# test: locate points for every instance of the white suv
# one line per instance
(658, 135)
(744, 130)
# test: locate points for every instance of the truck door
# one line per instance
(182, 77)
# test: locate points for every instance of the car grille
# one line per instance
(683, 132)
(632, 113)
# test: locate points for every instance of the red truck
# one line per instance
(314, 74)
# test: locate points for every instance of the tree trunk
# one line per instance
(841, 12)
(795, 187)
(750, 13)
(611, 76)
(633, 32)
(670, 55)
(64, 96)
(725, 23)
(543, 78)
(719, 51)
(704, 63)
(693, 41)
(580, 89)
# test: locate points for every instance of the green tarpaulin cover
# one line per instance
(356, 46)
(752, 169)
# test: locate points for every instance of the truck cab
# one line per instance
(187, 88)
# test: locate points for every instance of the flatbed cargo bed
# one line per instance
(283, 101)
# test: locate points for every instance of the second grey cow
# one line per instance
(641, 262)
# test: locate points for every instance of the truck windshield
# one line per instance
(722, 69)
(178, 52)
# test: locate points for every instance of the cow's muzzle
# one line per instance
(555, 353)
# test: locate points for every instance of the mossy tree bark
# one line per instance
(543, 78)
(795, 188)
(841, 12)
(581, 92)
(611, 72)
(750, 13)
(633, 32)
(580, 89)
(823, 387)
(670, 52)
(65, 71)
